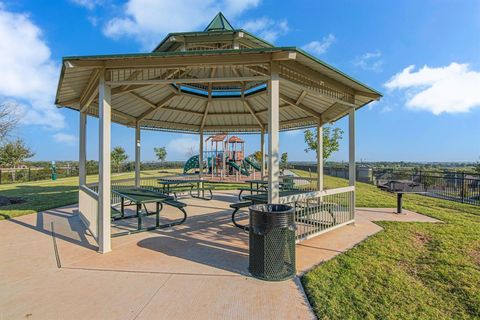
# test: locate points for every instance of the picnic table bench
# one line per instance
(140, 197)
(195, 187)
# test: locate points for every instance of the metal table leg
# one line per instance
(139, 215)
(157, 212)
(122, 207)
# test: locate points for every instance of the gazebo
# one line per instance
(218, 80)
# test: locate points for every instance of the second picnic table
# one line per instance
(173, 185)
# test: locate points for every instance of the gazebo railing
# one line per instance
(145, 182)
(88, 208)
(319, 211)
(316, 212)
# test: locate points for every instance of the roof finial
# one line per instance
(219, 23)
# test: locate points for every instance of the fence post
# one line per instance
(0, 176)
(462, 189)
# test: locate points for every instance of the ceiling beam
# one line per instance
(90, 91)
(292, 102)
(301, 97)
(207, 106)
(153, 106)
(187, 80)
(266, 110)
(144, 100)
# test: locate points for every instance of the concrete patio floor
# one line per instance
(49, 267)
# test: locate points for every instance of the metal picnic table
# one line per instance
(169, 185)
(139, 197)
(261, 186)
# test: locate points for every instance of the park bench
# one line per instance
(180, 206)
(251, 190)
(236, 207)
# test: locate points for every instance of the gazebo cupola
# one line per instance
(218, 35)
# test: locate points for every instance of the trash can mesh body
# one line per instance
(272, 242)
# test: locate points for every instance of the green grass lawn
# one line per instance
(408, 270)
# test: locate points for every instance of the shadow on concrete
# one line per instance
(68, 226)
(209, 239)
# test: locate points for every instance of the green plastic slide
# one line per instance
(238, 168)
(191, 164)
(253, 164)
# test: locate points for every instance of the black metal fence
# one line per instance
(450, 185)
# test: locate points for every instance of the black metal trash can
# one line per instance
(272, 242)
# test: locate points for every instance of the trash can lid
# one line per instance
(272, 207)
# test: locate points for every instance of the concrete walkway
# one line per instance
(49, 268)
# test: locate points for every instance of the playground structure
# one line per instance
(224, 157)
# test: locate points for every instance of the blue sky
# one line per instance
(423, 55)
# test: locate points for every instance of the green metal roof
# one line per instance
(219, 23)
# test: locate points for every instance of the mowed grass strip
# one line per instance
(408, 270)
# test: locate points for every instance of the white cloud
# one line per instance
(183, 145)
(266, 28)
(28, 75)
(451, 89)
(89, 4)
(372, 105)
(320, 47)
(386, 109)
(370, 61)
(294, 132)
(148, 21)
(65, 138)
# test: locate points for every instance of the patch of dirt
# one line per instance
(421, 239)
(475, 254)
(5, 201)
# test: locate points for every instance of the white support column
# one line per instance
(200, 155)
(82, 152)
(262, 149)
(137, 154)
(104, 186)
(319, 156)
(351, 157)
(273, 128)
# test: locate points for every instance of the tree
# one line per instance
(191, 151)
(13, 154)
(8, 120)
(476, 167)
(331, 140)
(284, 160)
(118, 157)
(161, 153)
